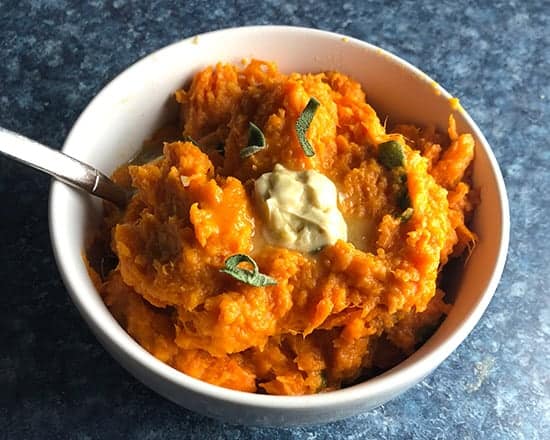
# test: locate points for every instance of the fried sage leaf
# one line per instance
(390, 154)
(256, 141)
(252, 277)
(302, 124)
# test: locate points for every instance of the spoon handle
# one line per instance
(61, 166)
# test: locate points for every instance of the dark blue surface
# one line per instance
(56, 381)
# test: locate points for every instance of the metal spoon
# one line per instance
(62, 167)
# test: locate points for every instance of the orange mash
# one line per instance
(342, 313)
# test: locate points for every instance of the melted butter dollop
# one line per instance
(300, 209)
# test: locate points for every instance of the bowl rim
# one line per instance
(411, 370)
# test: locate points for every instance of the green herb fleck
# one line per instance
(302, 124)
(390, 154)
(401, 176)
(403, 198)
(324, 381)
(252, 277)
(256, 141)
(186, 138)
(406, 215)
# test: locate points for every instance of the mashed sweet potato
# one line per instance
(335, 316)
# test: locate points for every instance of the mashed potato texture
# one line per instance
(340, 314)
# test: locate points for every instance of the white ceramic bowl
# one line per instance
(126, 112)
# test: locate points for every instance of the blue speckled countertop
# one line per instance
(56, 381)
